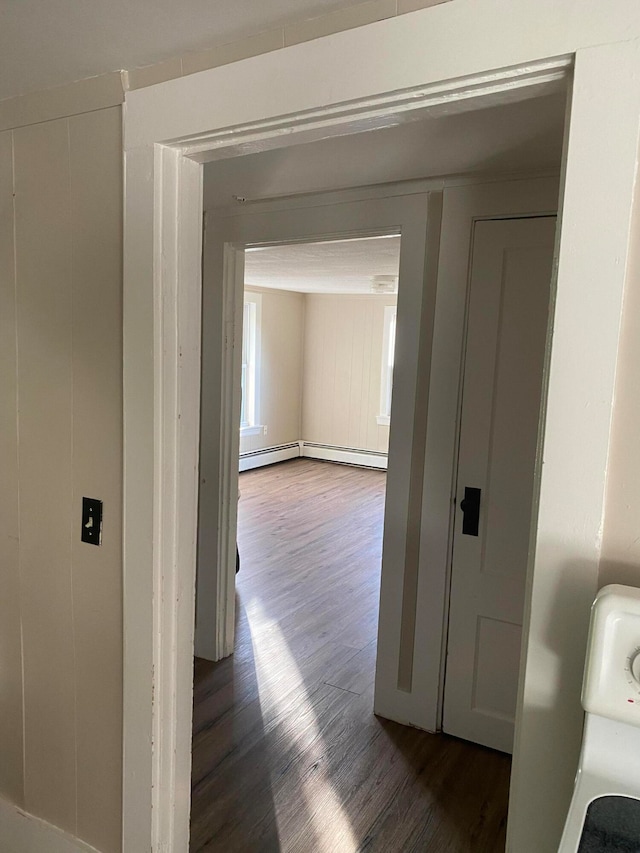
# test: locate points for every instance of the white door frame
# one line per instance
(168, 129)
(416, 216)
(222, 304)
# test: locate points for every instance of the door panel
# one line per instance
(506, 334)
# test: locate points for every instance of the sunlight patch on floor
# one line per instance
(275, 667)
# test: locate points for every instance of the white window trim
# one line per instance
(251, 430)
(386, 369)
(252, 425)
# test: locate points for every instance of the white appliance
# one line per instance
(604, 816)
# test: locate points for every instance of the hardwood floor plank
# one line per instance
(288, 756)
(358, 673)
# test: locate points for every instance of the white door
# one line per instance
(507, 325)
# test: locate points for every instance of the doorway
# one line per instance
(318, 345)
(159, 461)
(447, 256)
(287, 751)
(416, 216)
(318, 351)
(257, 620)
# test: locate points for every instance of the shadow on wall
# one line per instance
(612, 571)
(554, 715)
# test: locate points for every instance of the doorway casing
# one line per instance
(416, 216)
(167, 136)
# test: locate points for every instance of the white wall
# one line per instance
(320, 370)
(281, 355)
(621, 535)
(342, 370)
(60, 440)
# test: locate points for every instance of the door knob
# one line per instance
(470, 506)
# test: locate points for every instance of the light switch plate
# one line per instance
(92, 521)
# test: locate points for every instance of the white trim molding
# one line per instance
(256, 429)
(416, 215)
(21, 832)
(251, 338)
(365, 113)
(344, 455)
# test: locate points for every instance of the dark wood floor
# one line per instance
(287, 754)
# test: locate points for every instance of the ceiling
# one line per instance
(46, 43)
(511, 138)
(514, 137)
(337, 266)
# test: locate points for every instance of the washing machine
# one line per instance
(604, 816)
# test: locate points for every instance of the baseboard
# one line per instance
(21, 832)
(312, 450)
(346, 455)
(269, 456)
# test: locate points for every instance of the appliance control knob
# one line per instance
(635, 666)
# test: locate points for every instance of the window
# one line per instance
(250, 365)
(388, 351)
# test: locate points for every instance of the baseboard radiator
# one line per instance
(346, 455)
(312, 450)
(269, 455)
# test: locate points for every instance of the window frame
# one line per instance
(250, 370)
(387, 363)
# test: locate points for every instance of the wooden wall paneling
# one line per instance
(343, 352)
(43, 255)
(371, 408)
(11, 742)
(282, 341)
(342, 377)
(280, 386)
(358, 366)
(325, 402)
(96, 220)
